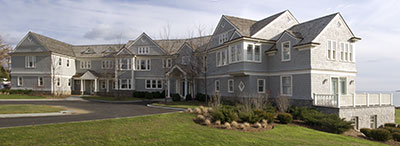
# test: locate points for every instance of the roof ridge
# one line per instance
(239, 17)
(95, 45)
(48, 37)
(315, 19)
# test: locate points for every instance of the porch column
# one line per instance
(81, 86)
(169, 88)
(95, 85)
(186, 87)
(108, 85)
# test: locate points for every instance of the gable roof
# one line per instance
(54, 45)
(248, 27)
(309, 30)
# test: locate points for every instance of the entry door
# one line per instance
(335, 86)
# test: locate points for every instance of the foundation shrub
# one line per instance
(200, 97)
(254, 116)
(366, 132)
(224, 114)
(188, 97)
(19, 91)
(390, 125)
(175, 97)
(392, 129)
(139, 94)
(396, 136)
(149, 95)
(284, 118)
(325, 122)
(380, 134)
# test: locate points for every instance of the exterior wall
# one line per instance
(319, 54)
(301, 86)
(146, 41)
(280, 24)
(42, 60)
(385, 114)
(31, 82)
(223, 26)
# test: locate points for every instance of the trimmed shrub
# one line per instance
(392, 129)
(139, 94)
(326, 122)
(366, 132)
(284, 118)
(149, 95)
(390, 125)
(19, 91)
(380, 134)
(396, 136)
(256, 116)
(175, 97)
(224, 114)
(188, 97)
(201, 97)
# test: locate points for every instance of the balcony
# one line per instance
(352, 100)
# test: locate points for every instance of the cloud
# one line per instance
(110, 33)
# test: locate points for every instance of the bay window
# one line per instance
(222, 57)
(249, 52)
(253, 53)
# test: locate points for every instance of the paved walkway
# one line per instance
(97, 111)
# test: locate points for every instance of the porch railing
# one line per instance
(352, 100)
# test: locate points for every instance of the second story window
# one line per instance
(86, 64)
(143, 64)
(331, 54)
(67, 62)
(125, 63)
(346, 52)
(222, 38)
(222, 57)
(59, 61)
(235, 53)
(167, 63)
(286, 51)
(30, 61)
(253, 53)
(107, 64)
(143, 50)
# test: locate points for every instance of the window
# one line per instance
(232, 53)
(67, 62)
(261, 85)
(86, 64)
(257, 53)
(69, 82)
(30, 61)
(286, 85)
(351, 53)
(40, 81)
(143, 50)
(216, 85)
(239, 55)
(143, 64)
(346, 52)
(167, 63)
(286, 51)
(107, 64)
(223, 38)
(341, 47)
(343, 86)
(153, 84)
(59, 61)
(249, 52)
(372, 121)
(103, 84)
(20, 81)
(331, 54)
(354, 121)
(58, 82)
(231, 86)
(222, 57)
(125, 63)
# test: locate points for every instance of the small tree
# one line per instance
(282, 103)
(5, 57)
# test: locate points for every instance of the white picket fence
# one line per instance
(352, 100)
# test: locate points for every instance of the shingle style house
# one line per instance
(312, 63)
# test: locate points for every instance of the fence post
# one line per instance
(380, 99)
(338, 100)
(354, 100)
(367, 99)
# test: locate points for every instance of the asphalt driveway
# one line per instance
(97, 111)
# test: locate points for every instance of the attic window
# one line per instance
(339, 24)
(29, 39)
(88, 51)
(109, 50)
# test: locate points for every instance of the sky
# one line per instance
(105, 22)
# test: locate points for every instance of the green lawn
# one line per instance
(397, 117)
(19, 96)
(181, 104)
(166, 129)
(27, 108)
(111, 98)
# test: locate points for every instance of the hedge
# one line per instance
(380, 134)
(284, 118)
(18, 91)
(176, 97)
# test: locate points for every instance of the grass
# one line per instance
(27, 108)
(166, 129)
(181, 104)
(20, 96)
(111, 98)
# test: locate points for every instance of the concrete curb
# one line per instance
(164, 107)
(61, 113)
(32, 99)
(123, 102)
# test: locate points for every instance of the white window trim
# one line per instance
(128, 63)
(20, 81)
(147, 66)
(244, 52)
(291, 85)
(233, 86)
(151, 84)
(68, 63)
(167, 63)
(215, 86)
(222, 38)
(58, 80)
(28, 59)
(128, 84)
(258, 85)
(330, 49)
(282, 52)
(38, 83)
(144, 50)
(60, 61)
(85, 64)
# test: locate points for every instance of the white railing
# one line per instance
(365, 99)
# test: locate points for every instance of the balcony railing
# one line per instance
(352, 100)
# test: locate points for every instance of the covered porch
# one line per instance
(86, 83)
(180, 81)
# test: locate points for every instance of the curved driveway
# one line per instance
(97, 111)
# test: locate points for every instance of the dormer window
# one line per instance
(88, 51)
(109, 50)
(223, 38)
(143, 50)
(286, 51)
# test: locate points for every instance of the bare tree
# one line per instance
(54, 72)
(282, 103)
(4, 56)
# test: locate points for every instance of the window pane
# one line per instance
(343, 86)
(239, 52)
(249, 52)
(257, 53)
(159, 84)
(148, 83)
(153, 83)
